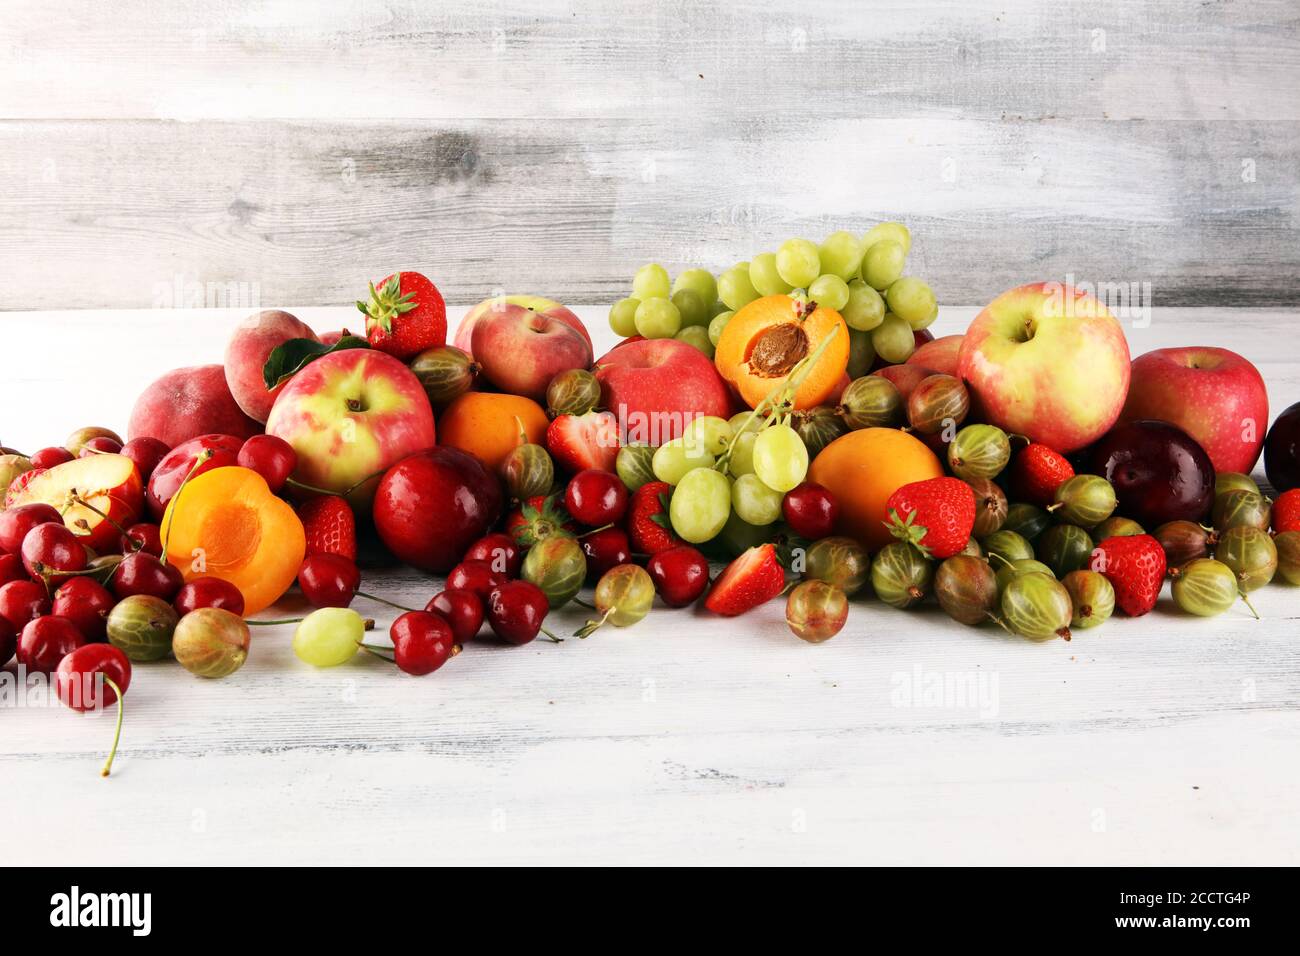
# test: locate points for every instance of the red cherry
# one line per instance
(144, 573)
(47, 640)
(500, 551)
(209, 592)
(75, 680)
(605, 549)
(810, 510)
(103, 445)
(516, 610)
(49, 457)
(271, 457)
(11, 568)
(596, 497)
(477, 576)
(86, 603)
(16, 522)
(22, 601)
(8, 641)
(680, 574)
(50, 549)
(143, 536)
(463, 611)
(146, 453)
(422, 642)
(329, 580)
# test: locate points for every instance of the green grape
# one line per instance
(912, 300)
(883, 264)
(692, 309)
(830, 291)
(329, 636)
(798, 262)
(746, 422)
(696, 336)
(893, 340)
(862, 354)
(735, 289)
(707, 433)
(754, 501)
(717, 324)
(674, 459)
(894, 231)
(657, 319)
(841, 255)
(738, 536)
(651, 282)
(699, 281)
(700, 505)
(634, 465)
(622, 316)
(763, 274)
(718, 308)
(780, 458)
(741, 461)
(865, 309)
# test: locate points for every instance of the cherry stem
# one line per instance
(117, 731)
(287, 620)
(604, 527)
(200, 459)
(379, 600)
(554, 639)
(76, 499)
(375, 649)
(303, 486)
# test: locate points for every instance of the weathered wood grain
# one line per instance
(107, 213)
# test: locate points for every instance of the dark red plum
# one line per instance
(1159, 472)
(1282, 450)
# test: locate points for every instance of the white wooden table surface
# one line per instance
(1164, 740)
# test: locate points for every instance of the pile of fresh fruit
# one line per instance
(790, 420)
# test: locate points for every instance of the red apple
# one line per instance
(1214, 395)
(1047, 361)
(223, 451)
(656, 386)
(465, 331)
(520, 349)
(350, 415)
(246, 353)
(110, 484)
(940, 354)
(429, 508)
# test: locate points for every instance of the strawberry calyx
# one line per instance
(907, 530)
(386, 303)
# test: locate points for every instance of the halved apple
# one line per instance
(109, 484)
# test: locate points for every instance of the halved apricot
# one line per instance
(764, 341)
(225, 523)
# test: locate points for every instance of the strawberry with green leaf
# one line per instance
(405, 315)
(936, 515)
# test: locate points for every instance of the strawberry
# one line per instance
(537, 518)
(577, 442)
(330, 526)
(936, 515)
(1036, 473)
(1135, 567)
(752, 579)
(648, 528)
(1286, 511)
(405, 315)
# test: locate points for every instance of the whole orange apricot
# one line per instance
(486, 424)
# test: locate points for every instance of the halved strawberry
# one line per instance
(330, 526)
(537, 518)
(584, 441)
(752, 579)
(648, 528)
(405, 315)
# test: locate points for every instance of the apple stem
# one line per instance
(376, 598)
(200, 459)
(117, 731)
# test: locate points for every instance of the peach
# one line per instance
(465, 331)
(188, 402)
(250, 344)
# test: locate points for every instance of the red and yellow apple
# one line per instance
(350, 415)
(1049, 362)
(109, 484)
(655, 387)
(1214, 395)
(520, 348)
